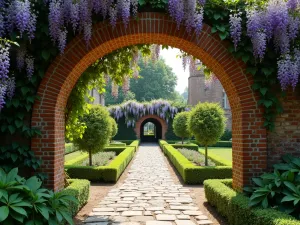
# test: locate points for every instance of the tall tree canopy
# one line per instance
(157, 80)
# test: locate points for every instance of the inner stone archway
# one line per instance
(161, 127)
(249, 135)
(157, 131)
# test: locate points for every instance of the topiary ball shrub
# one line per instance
(207, 123)
(180, 125)
(97, 133)
(114, 127)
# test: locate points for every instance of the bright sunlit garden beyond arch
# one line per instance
(147, 112)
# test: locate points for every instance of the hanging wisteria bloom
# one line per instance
(4, 60)
(21, 53)
(133, 110)
(29, 66)
(10, 87)
(2, 95)
(114, 90)
(126, 84)
(235, 22)
(192, 65)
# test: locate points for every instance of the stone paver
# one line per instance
(148, 196)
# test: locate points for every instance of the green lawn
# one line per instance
(73, 155)
(225, 153)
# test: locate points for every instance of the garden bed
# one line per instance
(190, 173)
(109, 173)
(195, 157)
(226, 200)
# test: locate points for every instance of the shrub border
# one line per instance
(187, 146)
(80, 190)
(110, 173)
(190, 173)
(235, 206)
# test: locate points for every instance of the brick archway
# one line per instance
(163, 123)
(249, 146)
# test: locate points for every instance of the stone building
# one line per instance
(198, 92)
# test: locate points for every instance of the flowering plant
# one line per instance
(132, 110)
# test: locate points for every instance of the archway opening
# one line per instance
(249, 135)
(151, 130)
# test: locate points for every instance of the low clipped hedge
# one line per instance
(224, 144)
(79, 189)
(69, 148)
(190, 173)
(127, 142)
(117, 144)
(135, 144)
(219, 161)
(110, 173)
(187, 146)
(234, 206)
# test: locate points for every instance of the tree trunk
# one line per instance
(182, 140)
(206, 161)
(90, 157)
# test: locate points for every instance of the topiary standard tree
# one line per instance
(180, 125)
(207, 124)
(114, 127)
(97, 133)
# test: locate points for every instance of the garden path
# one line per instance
(148, 196)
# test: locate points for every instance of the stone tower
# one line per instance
(198, 92)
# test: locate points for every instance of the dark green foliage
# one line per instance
(235, 206)
(80, 190)
(207, 123)
(280, 189)
(158, 74)
(114, 127)
(227, 136)
(25, 202)
(180, 125)
(110, 173)
(97, 134)
(124, 132)
(187, 146)
(190, 173)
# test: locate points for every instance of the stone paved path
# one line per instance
(148, 196)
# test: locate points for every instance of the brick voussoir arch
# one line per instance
(249, 136)
(162, 122)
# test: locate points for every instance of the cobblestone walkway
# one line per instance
(148, 196)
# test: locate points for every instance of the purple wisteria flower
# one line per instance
(29, 60)
(235, 22)
(10, 87)
(2, 96)
(4, 61)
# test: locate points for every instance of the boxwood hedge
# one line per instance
(235, 206)
(110, 173)
(190, 173)
(79, 189)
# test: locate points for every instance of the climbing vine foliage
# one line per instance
(264, 34)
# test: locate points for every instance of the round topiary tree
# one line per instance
(207, 123)
(180, 126)
(114, 127)
(97, 133)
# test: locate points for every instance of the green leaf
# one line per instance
(4, 211)
(223, 36)
(251, 70)
(18, 123)
(11, 129)
(263, 91)
(25, 90)
(265, 203)
(258, 181)
(214, 30)
(291, 186)
(217, 16)
(245, 58)
(45, 54)
(268, 103)
(19, 210)
(44, 211)
(33, 183)
(288, 198)
(16, 103)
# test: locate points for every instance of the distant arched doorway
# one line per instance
(151, 130)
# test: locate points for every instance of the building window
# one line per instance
(225, 100)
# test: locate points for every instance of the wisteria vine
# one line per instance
(132, 111)
(274, 23)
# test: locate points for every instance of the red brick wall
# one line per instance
(162, 122)
(285, 139)
(249, 136)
